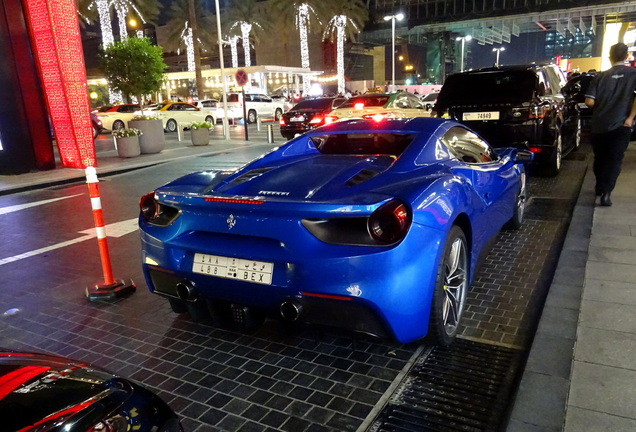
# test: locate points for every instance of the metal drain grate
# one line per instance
(465, 387)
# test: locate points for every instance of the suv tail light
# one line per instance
(281, 121)
(390, 223)
(316, 120)
(538, 112)
(377, 117)
(156, 213)
(330, 119)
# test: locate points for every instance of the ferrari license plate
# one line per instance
(233, 268)
(484, 115)
(297, 119)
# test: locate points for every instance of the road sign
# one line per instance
(241, 77)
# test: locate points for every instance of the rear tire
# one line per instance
(211, 120)
(553, 165)
(251, 116)
(171, 125)
(278, 114)
(516, 220)
(451, 286)
(118, 124)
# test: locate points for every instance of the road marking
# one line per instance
(15, 208)
(117, 229)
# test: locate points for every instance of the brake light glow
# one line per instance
(330, 119)
(538, 112)
(281, 121)
(377, 117)
(233, 200)
(535, 149)
(359, 106)
(316, 120)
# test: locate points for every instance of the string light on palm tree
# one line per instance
(233, 42)
(188, 41)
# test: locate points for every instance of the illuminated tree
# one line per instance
(346, 23)
(187, 27)
(303, 13)
(99, 10)
(244, 16)
(133, 66)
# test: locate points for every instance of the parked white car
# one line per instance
(173, 114)
(258, 105)
(116, 116)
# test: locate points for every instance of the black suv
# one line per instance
(515, 106)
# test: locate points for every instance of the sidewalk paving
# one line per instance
(581, 370)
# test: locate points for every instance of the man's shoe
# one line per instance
(606, 200)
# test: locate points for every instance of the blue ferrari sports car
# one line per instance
(363, 225)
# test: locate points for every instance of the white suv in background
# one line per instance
(258, 105)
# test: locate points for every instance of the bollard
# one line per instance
(258, 123)
(270, 134)
(179, 132)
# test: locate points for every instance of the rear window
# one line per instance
(367, 101)
(316, 104)
(233, 97)
(496, 86)
(390, 144)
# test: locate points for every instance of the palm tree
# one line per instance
(303, 12)
(346, 23)
(92, 10)
(183, 28)
(244, 15)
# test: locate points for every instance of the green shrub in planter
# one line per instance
(200, 125)
(126, 132)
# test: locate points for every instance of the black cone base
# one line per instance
(110, 292)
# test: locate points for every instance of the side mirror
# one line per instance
(523, 156)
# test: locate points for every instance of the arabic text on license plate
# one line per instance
(297, 119)
(233, 268)
(485, 115)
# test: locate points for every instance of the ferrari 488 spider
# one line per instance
(371, 226)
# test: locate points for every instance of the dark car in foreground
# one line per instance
(372, 226)
(307, 115)
(515, 106)
(46, 393)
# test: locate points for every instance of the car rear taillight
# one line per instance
(535, 149)
(377, 117)
(330, 119)
(316, 120)
(156, 213)
(359, 106)
(281, 121)
(538, 112)
(390, 223)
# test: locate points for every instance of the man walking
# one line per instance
(611, 93)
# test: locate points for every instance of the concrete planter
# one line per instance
(200, 137)
(128, 146)
(152, 140)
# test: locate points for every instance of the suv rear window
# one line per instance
(494, 86)
(367, 101)
(391, 144)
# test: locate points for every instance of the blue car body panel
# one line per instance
(257, 213)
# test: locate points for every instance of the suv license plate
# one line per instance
(485, 115)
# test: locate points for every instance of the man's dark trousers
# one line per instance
(609, 149)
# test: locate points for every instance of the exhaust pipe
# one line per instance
(291, 310)
(186, 292)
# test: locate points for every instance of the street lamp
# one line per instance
(464, 39)
(392, 18)
(498, 50)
